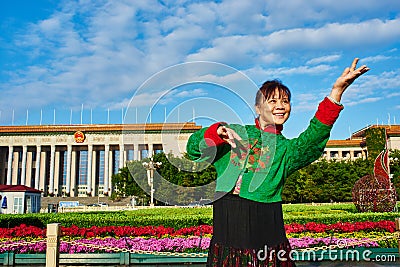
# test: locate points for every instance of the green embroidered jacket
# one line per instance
(263, 159)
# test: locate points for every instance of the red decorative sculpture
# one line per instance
(376, 192)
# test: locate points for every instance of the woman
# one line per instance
(252, 163)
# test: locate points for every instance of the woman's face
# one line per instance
(275, 110)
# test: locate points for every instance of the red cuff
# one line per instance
(211, 137)
(328, 112)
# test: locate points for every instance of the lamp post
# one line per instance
(150, 167)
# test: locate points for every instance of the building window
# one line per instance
(33, 177)
(144, 154)
(116, 161)
(19, 176)
(130, 154)
(346, 154)
(83, 162)
(28, 204)
(158, 148)
(101, 167)
(35, 204)
(18, 205)
(64, 167)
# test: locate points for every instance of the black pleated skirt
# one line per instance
(246, 232)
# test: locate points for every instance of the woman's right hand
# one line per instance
(228, 135)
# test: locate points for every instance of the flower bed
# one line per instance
(189, 239)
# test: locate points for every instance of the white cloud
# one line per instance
(100, 52)
(49, 25)
(362, 101)
(336, 36)
(393, 95)
(374, 59)
(324, 59)
(306, 102)
(298, 70)
(372, 88)
(316, 12)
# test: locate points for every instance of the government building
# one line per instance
(79, 160)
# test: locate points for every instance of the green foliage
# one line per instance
(325, 181)
(179, 217)
(132, 180)
(124, 183)
(322, 182)
(376, 141)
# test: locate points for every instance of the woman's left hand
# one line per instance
(349, 75)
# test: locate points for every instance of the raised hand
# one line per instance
(349, 75)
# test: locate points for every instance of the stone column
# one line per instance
(53, 244)
(37, 166)
(68, 175)
(73, 174)
(23, 167)
(111, 161)
(15, 168)
(57, 173)
(135, 152)
(106, 168)
(94, 185)
(150, 151)
(121, 156)
(125, 157)
(42, 179)
(89, 169)
(328, 155)
(364, 154)
(51, 178)
(9, 164)
(29, 169)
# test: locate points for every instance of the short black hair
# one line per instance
(267, 90)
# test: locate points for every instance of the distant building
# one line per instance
(79, 160)
(19, 199)
(355, 147)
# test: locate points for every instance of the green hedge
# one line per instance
(185, 217)
(169, 217)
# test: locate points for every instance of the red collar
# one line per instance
(275, 129)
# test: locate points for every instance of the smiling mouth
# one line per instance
(279, 114)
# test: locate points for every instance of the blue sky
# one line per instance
(95, 61)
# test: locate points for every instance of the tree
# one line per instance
(325, 181)
(132, 180)
(375, 141)
(125, 184)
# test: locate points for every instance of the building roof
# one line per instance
(390, 130)
(18, 188)
(186, 126)
(346, 143)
